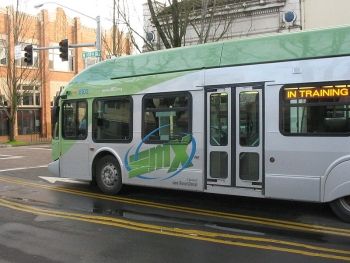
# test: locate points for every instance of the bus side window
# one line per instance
(82, 115)
(315, 110)
(112, 119)
(74, 124)
(166, 117)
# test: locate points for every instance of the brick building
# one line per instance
(48, 73)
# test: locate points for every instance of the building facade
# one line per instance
(48, 73)
(324, 13)
(255, 17)
(242, 17)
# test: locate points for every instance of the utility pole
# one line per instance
(114, 48)
(119, 35)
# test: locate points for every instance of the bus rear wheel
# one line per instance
(108, 175)
(341, 207)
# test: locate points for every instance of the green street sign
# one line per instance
(92, 54)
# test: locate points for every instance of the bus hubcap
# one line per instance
(345, 202)
(109, 175)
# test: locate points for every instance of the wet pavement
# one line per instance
(65, 222)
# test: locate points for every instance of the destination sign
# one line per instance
(316, 93)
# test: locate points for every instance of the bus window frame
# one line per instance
(131, 119)
(161, 95)
(306, 84)
(77, 138)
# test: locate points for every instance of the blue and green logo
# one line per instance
(174, 155)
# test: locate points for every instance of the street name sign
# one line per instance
(92, 54)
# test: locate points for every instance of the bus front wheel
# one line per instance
(341, 207)
(108, 176)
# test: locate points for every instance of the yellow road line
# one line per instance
(213, 237)
(232, 216)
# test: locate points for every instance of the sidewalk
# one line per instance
(6, 145)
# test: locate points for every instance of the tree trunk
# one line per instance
(12, 127)
(156, 23)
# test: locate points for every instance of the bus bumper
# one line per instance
(54, 167)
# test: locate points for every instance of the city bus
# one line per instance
(264, 117)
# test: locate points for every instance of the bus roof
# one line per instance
(251, 50)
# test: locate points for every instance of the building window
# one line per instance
(74, 124)
(28, 121)
(29, 95)
(112, 119)
(315, 109)
(20, 62)
(56, 63)
(3, 52)
(4, 123)
(166, 117)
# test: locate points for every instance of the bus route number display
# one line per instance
(316, 93)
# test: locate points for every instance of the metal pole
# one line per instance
(98, 35)
(70, 46)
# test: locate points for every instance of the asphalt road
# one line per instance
(74, 222)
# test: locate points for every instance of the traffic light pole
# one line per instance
(29, 50)
(98, 43)
(70, 46)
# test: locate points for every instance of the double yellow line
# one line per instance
(283, 224)
(214, 237)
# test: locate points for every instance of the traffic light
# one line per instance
(64, 49)
(28, 55)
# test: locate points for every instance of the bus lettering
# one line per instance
(172, 156)
(315, 93)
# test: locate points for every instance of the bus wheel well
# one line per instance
(98, 157)
(341, 207)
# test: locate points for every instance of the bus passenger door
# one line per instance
(74, 161)
(218, 137)
(249, 137)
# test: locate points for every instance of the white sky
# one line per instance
(93, 8)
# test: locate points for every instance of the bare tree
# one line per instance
(116, 46)
(171, 21)
(212, 21)
(132, 33)
(116, 42)
(208, 20)
(20, 29)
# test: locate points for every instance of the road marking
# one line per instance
(213, 237)
(53, 180)
(9, 157)
(38, 148)
(282, 224)
(24, 168)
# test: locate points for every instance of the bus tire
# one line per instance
(108, 175)
(341, 207)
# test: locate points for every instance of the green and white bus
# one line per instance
(265, 117)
